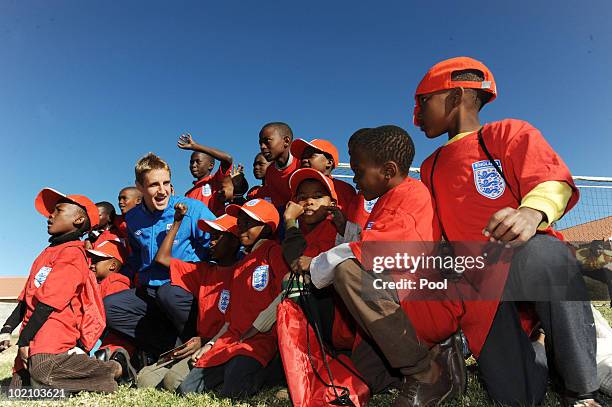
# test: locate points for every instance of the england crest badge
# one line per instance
(206, 190)
(369, 205)
(224, 300)
(41, 276)
(260, 277)
(489, 183)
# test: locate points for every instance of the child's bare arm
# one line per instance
(164, 253)
(186, 142)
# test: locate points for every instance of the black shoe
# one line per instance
(583, 400)
(452, 350)
(128, 373)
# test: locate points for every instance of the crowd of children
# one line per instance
(182, 293)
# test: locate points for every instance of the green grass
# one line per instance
(475, 396)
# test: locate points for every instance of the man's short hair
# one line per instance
(385, 143)
(148, 163)
(282, 128)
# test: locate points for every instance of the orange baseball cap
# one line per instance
(224, 223)
(439, 77)
(47, 198)
(258, 209)
(109, 249)
(299, 145)
(310, 173)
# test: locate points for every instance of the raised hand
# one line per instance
(237, 170)
(180, 210)
(292, 211)
(186, 142)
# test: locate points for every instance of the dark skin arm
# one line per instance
(164, 253)
(513, 227)
(186, 142)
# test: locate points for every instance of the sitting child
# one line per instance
(209, 283)
(239, 367)
(60, 306)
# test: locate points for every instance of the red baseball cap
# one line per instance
(109, 249)
(224, 223)
(47, 198)
(258, 209)
(439, 77)
(299, 145)
(310, 173)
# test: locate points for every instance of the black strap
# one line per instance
(433, 190)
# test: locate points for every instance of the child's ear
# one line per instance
(390, 170)
(78, 221)
(287, 141)
(330, 164)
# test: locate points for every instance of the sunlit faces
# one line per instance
(260, 165)
(272, 144)
(249, 229)
(313, 158)
(435, 109)
(369, 178)
(66, 217)
(200, 165)
(155, 189)
(314, 198)
(128, 198)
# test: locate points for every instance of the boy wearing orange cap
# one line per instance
(322, 155)
(211, 189)
(238, 366)
(509, 186)
(209, 283)
(60, 307)
(274, 142)
(107, 257)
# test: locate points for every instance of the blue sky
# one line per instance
(86, 87)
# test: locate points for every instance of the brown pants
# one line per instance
(389, 330)
(70, 372)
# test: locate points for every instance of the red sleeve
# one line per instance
(64, 279)
(220, 175)
(118, 282)
(185, 275)
(533, 160)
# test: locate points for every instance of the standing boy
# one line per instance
(155, 312)
(208, 188)
(509, 186)
(260, 166)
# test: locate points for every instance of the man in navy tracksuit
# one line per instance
(155, 313)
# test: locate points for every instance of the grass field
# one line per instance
(475, 395)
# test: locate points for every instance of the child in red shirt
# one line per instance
(210, 284)
(275, 142)
(238, 366)
(322, 155)
(60, 307)
(214, 189)
(502, 182)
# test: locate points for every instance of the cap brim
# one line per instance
(46, 200)
(207, 225)
(298, 146)
(100, 254)
(310, 173)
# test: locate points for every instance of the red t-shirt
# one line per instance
(210, 285)
(56, 277)
(468, 190)
(114, 283)
(277, 182)
(256, 283)
(206, 189)
(359, 211)
(346, 194)
(252, 194)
